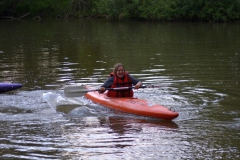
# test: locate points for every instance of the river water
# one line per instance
(195, 64)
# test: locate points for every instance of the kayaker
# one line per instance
(120, 78)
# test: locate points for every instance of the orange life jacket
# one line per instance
(121, 82)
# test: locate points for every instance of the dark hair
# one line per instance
(116, 66)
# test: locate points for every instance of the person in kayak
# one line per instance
(120, 78)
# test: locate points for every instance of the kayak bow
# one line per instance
(6, 87)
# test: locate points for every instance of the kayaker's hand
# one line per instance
(137, 86)
(101, 89)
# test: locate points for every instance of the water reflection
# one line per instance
(113, 134)
(124, 126)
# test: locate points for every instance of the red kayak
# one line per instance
(133, 106)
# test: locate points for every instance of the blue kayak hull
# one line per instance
(6, 87)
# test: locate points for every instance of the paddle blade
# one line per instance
(75, 91)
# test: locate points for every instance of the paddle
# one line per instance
(78, 91)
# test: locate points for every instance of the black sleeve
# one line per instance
(108, 83)
(134, 80)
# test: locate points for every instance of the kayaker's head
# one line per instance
(119, 70)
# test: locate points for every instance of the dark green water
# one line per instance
(197, 65)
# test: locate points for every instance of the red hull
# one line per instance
(133, 106)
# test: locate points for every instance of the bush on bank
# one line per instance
(167, 10)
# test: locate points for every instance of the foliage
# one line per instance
(215, 10)
(111, 8)
(197, 10)
(157, 9)
(42, 8)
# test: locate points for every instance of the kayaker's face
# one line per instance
(120, 72)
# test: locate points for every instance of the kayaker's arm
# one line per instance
(138, 85)
(107, 84)
(136, 82)
(101, 89)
